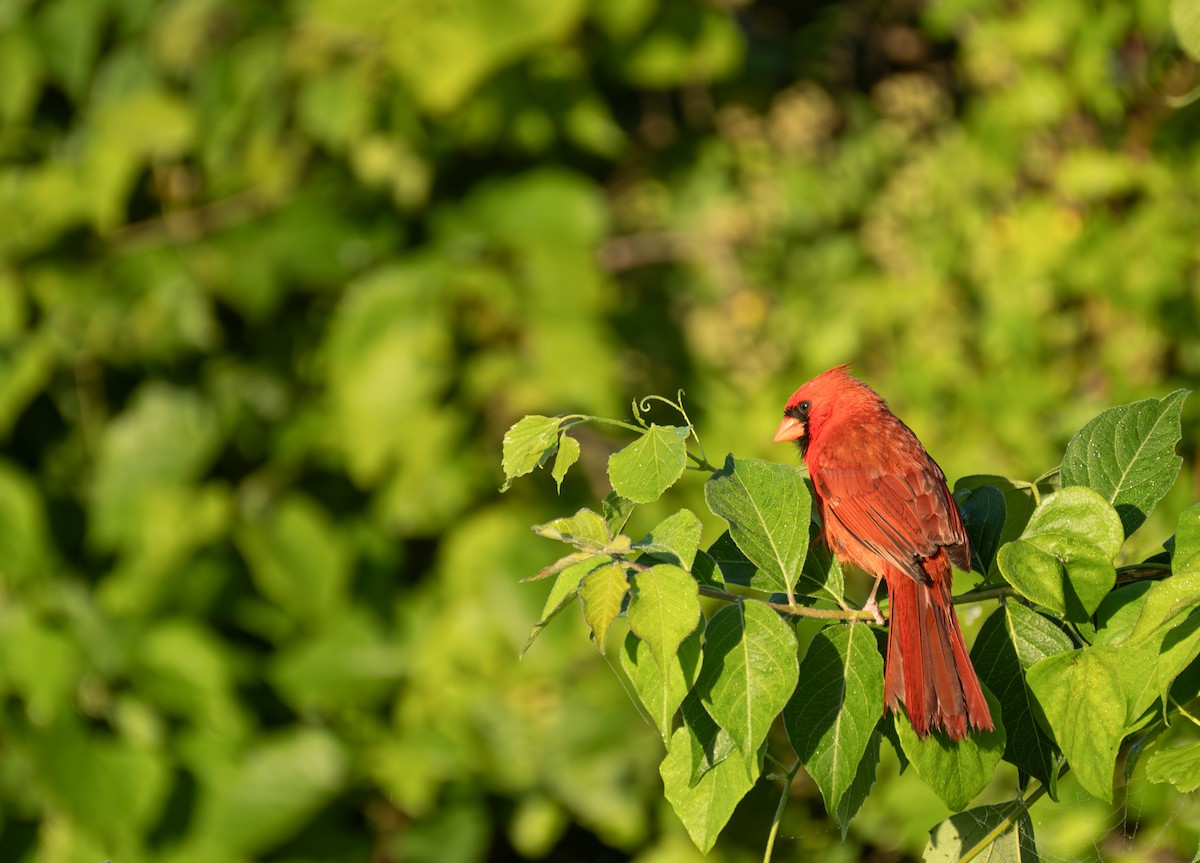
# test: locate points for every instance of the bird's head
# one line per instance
(829, 394)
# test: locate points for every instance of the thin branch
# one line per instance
(793, 609)
(778, 819)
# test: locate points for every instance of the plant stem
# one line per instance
(778, 819)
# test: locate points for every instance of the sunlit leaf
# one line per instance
(1127, 454)
(650, 465)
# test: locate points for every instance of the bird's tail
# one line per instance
(928, 668)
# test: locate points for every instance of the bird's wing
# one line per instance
(892, 500)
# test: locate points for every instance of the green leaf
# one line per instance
(564, 591)
(712, 742)
(650, 465)
(616, 511)
(1178, 595)
(1063, 560)
(1179, 766)
(1002, 832)
(860, 787)
(1127, 455)
(1010, 641)
(584, 528)
(1018, 500)
(984, 513)
(705, 806)
(821, 576)
(528, 444)
(955, 771)
(664, 609)
(676, 539)
(662, 692)
(750, 670)
(768, 507)
(1079, 695)
(735, 567)
(602, 591)
(831, 718)
(1185, 21)
(568, 454)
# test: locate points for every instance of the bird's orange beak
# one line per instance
(790, 429)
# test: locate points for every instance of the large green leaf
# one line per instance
(1002, 833)
(984, 512)
(1172, 598)
(705, 806)
(749, 672)
(1010, 641)
(650, 465)
(1078, 694)
(675, 539)
(864, 780)
(664, 609)
(1064, 558)
(1127, 455)
(956, 771)
(767, 506)
(1018, 500)
(662, 686)
(830, 718)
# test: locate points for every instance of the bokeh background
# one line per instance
(276, 276)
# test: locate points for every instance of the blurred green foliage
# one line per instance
(275, 277)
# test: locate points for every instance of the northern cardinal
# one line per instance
(885, 508)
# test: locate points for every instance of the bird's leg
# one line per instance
(871, 605)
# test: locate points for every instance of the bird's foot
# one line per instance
(873, 607)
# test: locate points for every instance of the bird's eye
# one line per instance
(804, 406)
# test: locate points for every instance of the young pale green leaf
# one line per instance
(864, 780)
(705, 806)
(1018, 500)
(1063, 560)
(650, 465)
(616, 511)
(1011, 640)
(676, 538)
(956, 772)
(602, 592)
(750, 671)
(1179, 595)
(527, 445)
(562, 594)
(583, 528)
(1001, 833)
(1117, 614)
(1078, 694)
(568, 454)
(559, 565)
(663, 610)
(1127, 455)
(768, 508)
(831, 718)
(713, 743)
(1179, 766)
(984, 513)
(662, 692)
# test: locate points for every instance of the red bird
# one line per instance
(886, 509)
